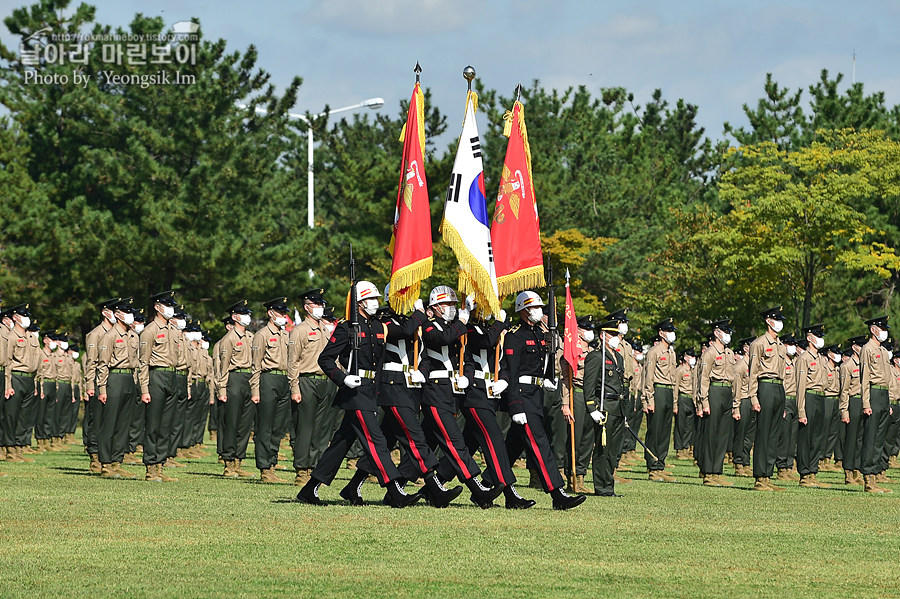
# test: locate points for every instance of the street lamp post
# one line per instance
(373, 103)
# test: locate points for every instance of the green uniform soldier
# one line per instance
(313, 417)
(605, 396)
(91, 408)
(5, 326)
(658, 400)
(177, 326)
(238, 412)
(811, 381)
(875, 382)
(850, 410)
(117, 363)
(684, 420)
(215, 417)
(583, 425)
(787, 438)
(635, 385)
(77, 392)
(46, 382)
(198, 393)
(718, 378)
(64, 396)
(892, 438)
(744, 426)
(136, 430)
(831, 415)
(159, 392)
(269, 387)
(23, 355)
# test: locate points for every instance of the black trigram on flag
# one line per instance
(476, 147)
(453, 190)
(490, 252)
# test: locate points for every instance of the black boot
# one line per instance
(352, 491)
(482, 496)
(310, 493)
(514, 501)
(437, 495)
(562, 501)
(398, 498)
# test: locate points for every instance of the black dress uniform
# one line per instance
(523, 367)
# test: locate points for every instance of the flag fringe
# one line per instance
(527, 278)
(473, 278)
(406, 284)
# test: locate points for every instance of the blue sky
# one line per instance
(713, 54)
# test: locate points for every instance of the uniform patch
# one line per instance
(161, 336)
(332, 339)
(609, 362)
(769, 350)
(239, 343)
(662, 358)
(313, 333)
(362, 333)
(429, 329)
(273, 339)
(719, 358)
(856, 370)
(46, 360)
(120, 341)
(510, 352)
(379, 335)
(529, 342)
(877, 355)
(812, 363)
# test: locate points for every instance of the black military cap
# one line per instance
(192, 327)
(888, 345)
(279, 304)
(179, 311)
(665, 325)
(50, 333)
(803, 343)
(328, 314)
(788, 339)
(239, 307)
(34, 328)
(619, 315)
(109, 303)
(62, 337)
(832, 349)
(609, 326)
(313, 296)
(723, 325)
(690, 352)
(586, 322)
(228, 320)
(20, 309)
(859, 340)
(745, 341)
(817, 329)
(125, 304)
(5, 314)
(74, 347)
(848, 352)
(773, 312)
(207, 337)
(139, 315)
(881, 322)
(166, 298)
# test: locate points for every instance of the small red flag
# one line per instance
(411, 239)
(571, 347)
(516, 230)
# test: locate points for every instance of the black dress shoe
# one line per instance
(563, 501)
(310, 493)
(352, 495)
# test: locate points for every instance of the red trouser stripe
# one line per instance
(372, 451)
(412, 444)
(450, 446)
(538, 456)
(490, 445)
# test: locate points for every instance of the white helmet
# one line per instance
(366, 290)
(387, 290)
(528, 299)
(442, 294)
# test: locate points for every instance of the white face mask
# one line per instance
(613, 342)
(128, 318)
(139, 327)
(317, 312)
(882, 336)
(64, 345)
(243, 320)
(535, 315)
(623, 328)
(890, 355)
(168, 312)
(53, 345)
(447, 313)
(692, 362)
(204, 344)
(777, 325)
(639, 357)
(370, 306)
(25, 322)
(280, 321)
(819, 342)
(75, 355)
(588, 336)
(669, 336)
(194, 336)
(725, 338)
(791, 350)
(180, 323)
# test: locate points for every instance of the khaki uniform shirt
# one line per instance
(811, 376)
(117, 350)
(158, 349)
(717, 366)
(626, 351)
(851, 386)
(684, 374)
(766, 361)
(895, 384)
(215, 368)
(4, 350)
(268, 351)
(46, 369)
(660, 370)
(833, 379)
(741, 390)
(305, 342)
(637, 379)
(790, 377)
(876, 370)
(234, 354)
(23, 354)
(578, 379)
(91, 349)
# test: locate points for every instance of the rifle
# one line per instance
(353, 317)
(551, 320)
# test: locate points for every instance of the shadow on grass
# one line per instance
(74, 471)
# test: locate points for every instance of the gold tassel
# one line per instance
(507, 124)
(603, 436)
(473, 270)
(402, 133)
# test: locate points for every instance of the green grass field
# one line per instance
(64, 533)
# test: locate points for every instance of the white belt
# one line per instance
(531, 380)
(441, 374)
(481, 374)
(395, 367)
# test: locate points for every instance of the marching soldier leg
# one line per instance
(771, 408)
(583, 436)
(533, 439)
(556, 427)
(440, 427)
(304, 419)
(401, 425)
(327, 417)
(484, 428)
(605, 456)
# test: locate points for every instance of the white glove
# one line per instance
(521, 419)
(550, 384)
(597, 415)
(419, 305)
(502, 316)
(498, 387)
(352, 381)
(416, 376)
(462, 382)
(464, 316)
